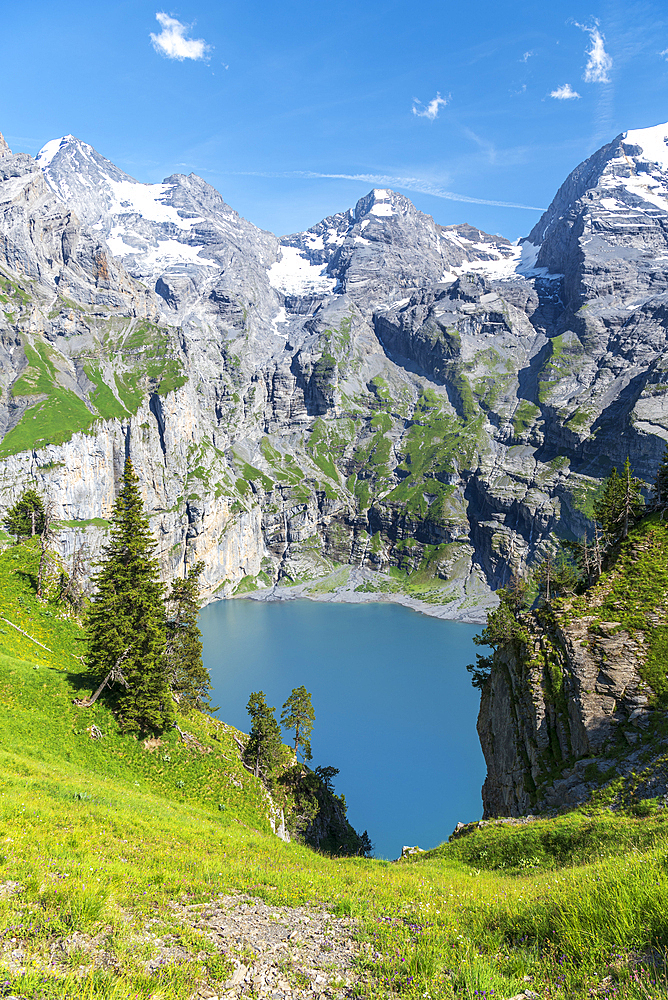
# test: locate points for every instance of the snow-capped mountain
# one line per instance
(377, 391)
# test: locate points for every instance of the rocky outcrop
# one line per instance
(573, 700)
(379, 390)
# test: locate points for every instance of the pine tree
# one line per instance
(188, 678)
(26, 517)
(620, 505)
(632, 500)
(327, 775)
(661, 481)
(558, 574)
(264, 744)
(365, 849)
(608, 506)
(298, 714)
(126, 617)
(46, 538)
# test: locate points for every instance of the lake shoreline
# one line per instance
(462, 608)
(395, 710)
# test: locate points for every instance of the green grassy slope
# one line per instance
(124, 359)
(101, 834)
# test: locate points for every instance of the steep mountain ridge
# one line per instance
(379, 391)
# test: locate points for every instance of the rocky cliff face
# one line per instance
(574, 706)
(428, 402)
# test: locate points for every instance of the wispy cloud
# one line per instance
(564, 93)
(172, 42)
(664, 54)
(429, 110)
(598, 62)
(418, 184)
(526, 57)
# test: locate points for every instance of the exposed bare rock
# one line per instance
(379, 390)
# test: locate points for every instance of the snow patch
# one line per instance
(118, 246)
(512, 262)
(381, 208)
(381, 203)
(172, 252)
(613, 205)
(53, 146)
(49, 150)
(528, 256)
(166, 253)
(134, 198)
(642, 185)
(653, 142)
(506, 267)
(294, 274)
(280, 317)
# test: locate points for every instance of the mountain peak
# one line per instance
(383, 202)
(4, 148)
(653, 142)
(50, 149)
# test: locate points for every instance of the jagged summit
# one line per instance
(379, 390)
(652, 141)
(181, 226)
(609, 210)
(4, 148)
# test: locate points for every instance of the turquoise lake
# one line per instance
(395, 709)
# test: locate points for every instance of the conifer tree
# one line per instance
(25, 518)
(632, 500)
(661, 481)
(46, 538)
(620, 505)
(188, 678)
(298, 714)
(558, 574)
(264, 744)
(126, 617)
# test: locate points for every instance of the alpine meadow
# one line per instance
(379, 408)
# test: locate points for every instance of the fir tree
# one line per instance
(26, 517)
(264, 744)
(126, 617)
(558, 573)
(608, 506)
(298, 714)
(188, 678)
(327, 775)
(365, 849)
(620, 505)
(46, 538)
(661, 481)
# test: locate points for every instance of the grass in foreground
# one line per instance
(102, 834)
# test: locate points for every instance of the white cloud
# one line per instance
(664, 54)
(599, 62)
(526, 57)
(429, 110)
(172, 43)
(564, 93)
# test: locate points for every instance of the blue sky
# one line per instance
(293, 111)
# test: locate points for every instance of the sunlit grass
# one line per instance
(102, 835)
